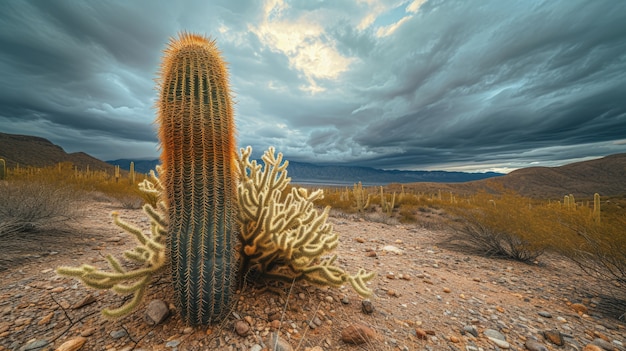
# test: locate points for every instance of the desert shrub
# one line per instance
(596, 244)
(508, 226)
(27, 206)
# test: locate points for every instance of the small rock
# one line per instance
(89, 299)
(602, 343)
(256, 347)
(72, 344)
(276, 343)
(156, 312)
(34, 345)
(421, 334)
(367, 307)
(359, 240)
(470, 329)
(275, 324)
(118, 334)
(88, 332)
(46, 319)
(592, 347)
(493, 334)
(545, 314)
(371, 254)
(500, 343)
(242, 328)
(345, 300)
(357, 334)
(172, 343)
(579, 308)
(446, 290)
(454, 339)
(188, 330)
(554, 336)
(533, 345)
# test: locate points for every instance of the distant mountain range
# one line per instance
(307, 173)
(606, 176)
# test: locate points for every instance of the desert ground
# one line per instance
(430, 293)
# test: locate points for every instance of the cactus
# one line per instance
(131, 175)
(3, 169)
(150, 253)
(286, 238)
(361, 198)
(117, 173)
(197, 135)
(385, 205)
(596, 207)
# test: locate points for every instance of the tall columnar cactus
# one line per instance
(596, 207)
(387, 206)
(3, 169)
(131, 175)
(197, 135)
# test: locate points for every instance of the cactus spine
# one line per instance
(197, 135)
(3, 169)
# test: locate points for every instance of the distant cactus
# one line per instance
(131, 175)
(596, 207)
(197, 135)
(361, 198)
(3, 169)
(387, 206)
(117, 173)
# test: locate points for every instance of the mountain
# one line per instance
(310, 174)
(27, 150)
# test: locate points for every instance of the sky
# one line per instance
(489, 85)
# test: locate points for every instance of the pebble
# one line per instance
(493, 334)
(256, 347)
(172, 343)
(276, 343)
(34, 345)
(367, 307)
(118, 334)
(602, 343)
(545, 314)
(471, 329)
(156, 312)
(533, 345)
(554, 336)
(357, 334)
(242, 328)
(592, 347)
(500, 343)
(72, 344)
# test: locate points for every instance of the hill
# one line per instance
(605, 176)
(27, 150)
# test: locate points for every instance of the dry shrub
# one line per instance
(29, 206)
(596, 244)
(507, 226)
(338, 199)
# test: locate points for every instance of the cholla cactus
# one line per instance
(361, 198)
(150, 253)
(284, 236)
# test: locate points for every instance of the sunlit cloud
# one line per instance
(304, 42)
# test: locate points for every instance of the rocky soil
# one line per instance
(429, 295)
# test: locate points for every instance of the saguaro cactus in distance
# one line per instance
(197, 135)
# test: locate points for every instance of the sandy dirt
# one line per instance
(430, 294)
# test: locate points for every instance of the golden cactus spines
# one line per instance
(197, 135)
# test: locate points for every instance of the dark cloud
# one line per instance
(457, 84)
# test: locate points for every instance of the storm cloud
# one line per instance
(421, 84)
